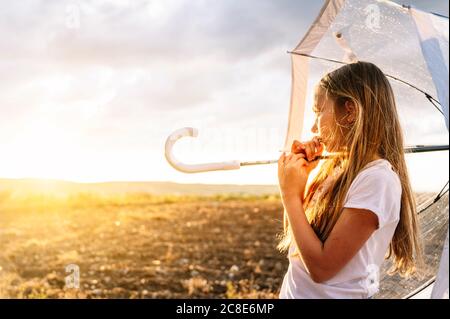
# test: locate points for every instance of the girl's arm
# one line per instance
(325, 260)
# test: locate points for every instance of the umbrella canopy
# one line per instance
(411, 48)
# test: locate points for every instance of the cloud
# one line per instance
(168, 55)
(121, 33)
(98, 78)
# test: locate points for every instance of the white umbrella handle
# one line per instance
(193, 168)
(229, 165)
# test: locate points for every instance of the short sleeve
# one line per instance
(377, 190)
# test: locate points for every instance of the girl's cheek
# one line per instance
(322, 123)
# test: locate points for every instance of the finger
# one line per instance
(298, 158)
(316, 141)
(301, 149)
(285, 159)
(320, 149)
(302, 162)
(282, 158)
(299, 155)
(310, 151)
(295, 148)
(289, 157)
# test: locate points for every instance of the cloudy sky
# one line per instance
(91, 89)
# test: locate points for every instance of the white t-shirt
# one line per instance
(376, 188)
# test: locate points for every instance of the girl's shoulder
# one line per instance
(381, 170)
(380, 165)
(376, 188)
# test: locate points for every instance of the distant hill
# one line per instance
(57, 187)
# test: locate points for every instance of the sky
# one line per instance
(91, 89)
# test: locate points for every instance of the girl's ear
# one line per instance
(350, 109)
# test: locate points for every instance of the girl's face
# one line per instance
(325, 121)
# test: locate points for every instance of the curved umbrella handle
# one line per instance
(193, 168)
(229, 165)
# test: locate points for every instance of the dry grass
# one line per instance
(140, 246)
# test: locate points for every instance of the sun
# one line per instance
(39, 150)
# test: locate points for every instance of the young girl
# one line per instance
(359, 206)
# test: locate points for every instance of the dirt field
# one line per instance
(141, 246)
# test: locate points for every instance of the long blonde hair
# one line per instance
(375, 131)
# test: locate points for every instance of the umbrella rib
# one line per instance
(432, 101)
(435, 199)
(428, 96)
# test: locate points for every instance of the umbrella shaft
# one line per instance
(411, 149)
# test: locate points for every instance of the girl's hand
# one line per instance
(292, 175)
(311, 150)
